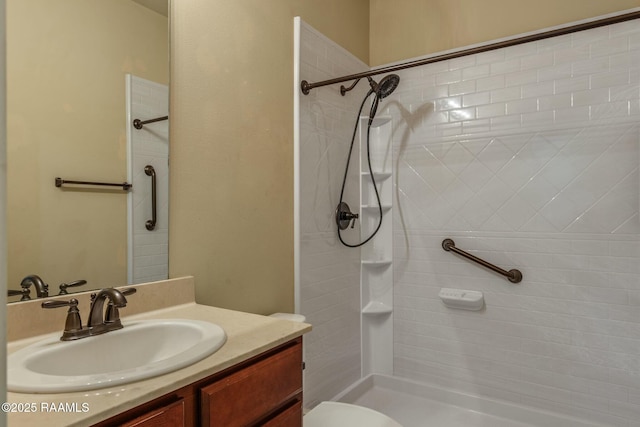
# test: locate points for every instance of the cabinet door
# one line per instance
(172, 415)
(251, 394)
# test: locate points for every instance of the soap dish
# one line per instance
(462, 299)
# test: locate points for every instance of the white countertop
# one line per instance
(247, 335)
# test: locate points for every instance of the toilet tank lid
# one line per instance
(289, 316)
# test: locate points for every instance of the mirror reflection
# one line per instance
(78, 73)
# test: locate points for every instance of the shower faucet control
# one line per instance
(350, 217)
(344, 216)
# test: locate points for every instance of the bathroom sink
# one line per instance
(142, 349)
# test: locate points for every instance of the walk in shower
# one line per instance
(526, 155)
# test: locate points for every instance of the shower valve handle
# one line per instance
(351, 217)
(344, 216)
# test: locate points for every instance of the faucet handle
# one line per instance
(64, 286)
(128, 291)
(73, 324)
(55, 304)
(25, 292)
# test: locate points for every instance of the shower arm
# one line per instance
(344, 90)
(306, 87)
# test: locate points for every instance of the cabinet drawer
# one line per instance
(291, 417)
(246, 396)
(172, 415)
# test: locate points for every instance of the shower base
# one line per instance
(415, 404)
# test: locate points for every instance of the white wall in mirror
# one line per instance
(148, 250)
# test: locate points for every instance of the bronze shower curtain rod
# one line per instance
(306, 87)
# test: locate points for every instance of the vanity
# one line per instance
(255, 378)
(265, 390)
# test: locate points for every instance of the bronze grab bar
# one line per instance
(139, 124)
(514, 276)
(125, 185)
(150, 171)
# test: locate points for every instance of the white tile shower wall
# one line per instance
(150, 249)
(528, 157)
(329, 272)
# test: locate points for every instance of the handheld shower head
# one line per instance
(387, 85)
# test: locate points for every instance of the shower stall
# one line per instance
(526, 154)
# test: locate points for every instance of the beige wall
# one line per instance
(231, 113)
(66, 62)
(402, 29)
(231, 185)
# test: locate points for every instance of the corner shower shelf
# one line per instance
(377, 121)
(375, 207)
(376, 308)
(378, 263)
(379, 176)
(376, 267)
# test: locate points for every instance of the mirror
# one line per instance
(67, 107)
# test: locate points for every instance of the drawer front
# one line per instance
(291, 417)
(246, 396)
(172, 415)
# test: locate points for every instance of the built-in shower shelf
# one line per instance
(377, 121)
(378, 263)
(375, 207)
(376, 308)
(378, 176)
(376, 266)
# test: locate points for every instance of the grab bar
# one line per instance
(139, 124)
(514, 276)
(150, 171)
(125, 185)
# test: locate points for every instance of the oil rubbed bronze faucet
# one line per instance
(96, 312)
(42, 289)
(98, 322)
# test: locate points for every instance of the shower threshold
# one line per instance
(415, 404)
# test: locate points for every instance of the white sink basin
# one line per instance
(142, 349)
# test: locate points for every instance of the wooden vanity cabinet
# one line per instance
(265, 390)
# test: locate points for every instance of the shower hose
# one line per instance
(372, 113)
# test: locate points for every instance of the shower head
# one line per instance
(386, 86)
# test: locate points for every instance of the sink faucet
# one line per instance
(98, 323)
(112, 314)
(96, 312)
(42, 289)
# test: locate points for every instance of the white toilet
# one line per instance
(338, 414)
